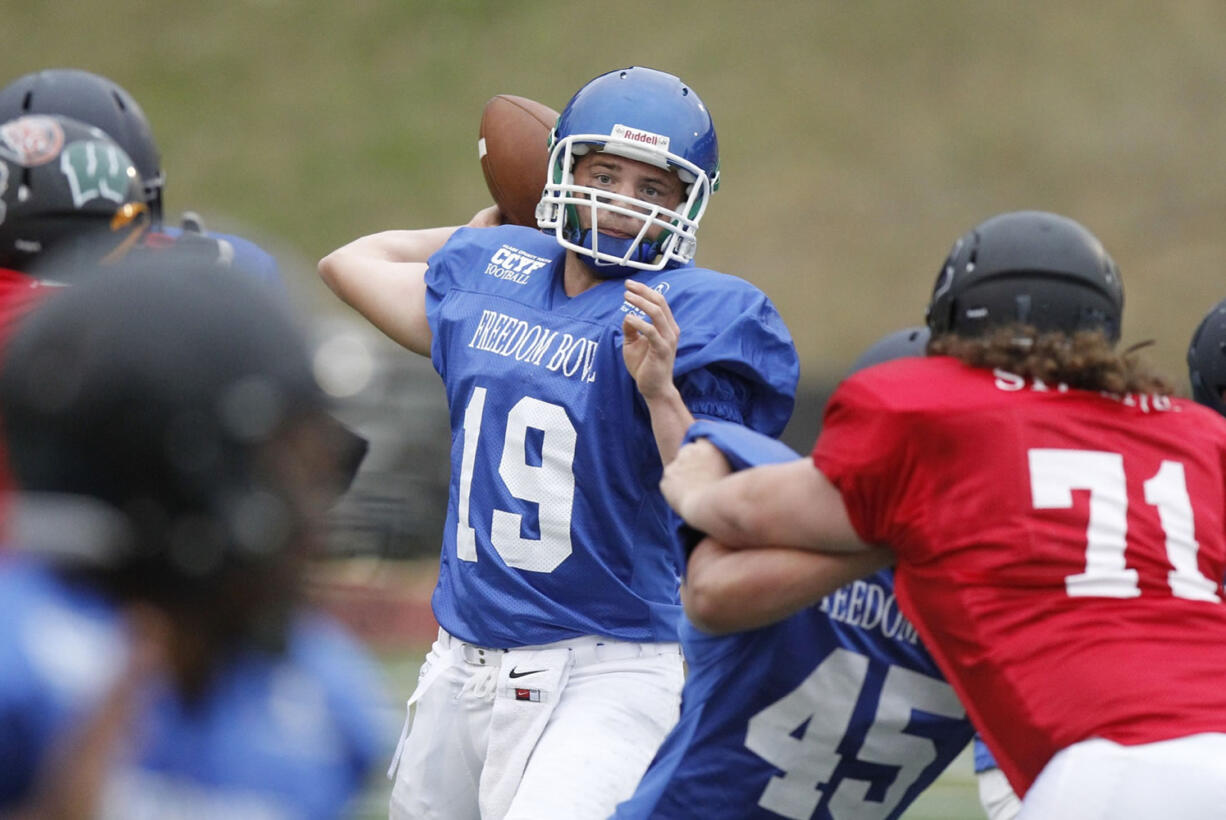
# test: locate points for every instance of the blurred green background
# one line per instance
(858, 138)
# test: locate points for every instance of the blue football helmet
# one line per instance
(644, 115)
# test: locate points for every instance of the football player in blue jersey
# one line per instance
(156, 656)
(103, 103)
(837, 711)
(557, 669)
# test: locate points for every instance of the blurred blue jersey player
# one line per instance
(572, 358)
(98, 101)
(292, 734)
(835, 712)
(157, 656)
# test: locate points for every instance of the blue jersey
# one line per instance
(835, 712)
(248, 256)
(291, 736)
(555, 524)
(983, 757)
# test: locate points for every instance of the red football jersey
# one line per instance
(18, 292)
(18, 295)
(1060, 551)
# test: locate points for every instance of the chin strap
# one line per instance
(644, 253)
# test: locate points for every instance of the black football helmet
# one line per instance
(1032, 267)
(70, 197)
(1207, 359)
(910, 341)
(142, 411)
(96, 101)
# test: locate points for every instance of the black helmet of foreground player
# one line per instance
(70, 197)
(99, 102)
(1031, 267)
(1207, 359)
(172, 407)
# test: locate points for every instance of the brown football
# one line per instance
(513, 145)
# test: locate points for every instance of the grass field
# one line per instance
(857, 139)
(952, 797)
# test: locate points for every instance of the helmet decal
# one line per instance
(626, 142)
(31, 141)
(96, 101)
(96, 169)
(58, 217)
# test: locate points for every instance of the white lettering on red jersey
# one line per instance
(1060, 551)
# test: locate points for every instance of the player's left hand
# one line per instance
(649, 348)
(697, 465)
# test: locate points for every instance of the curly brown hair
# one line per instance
(1085, 360)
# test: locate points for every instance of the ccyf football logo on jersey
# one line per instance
(514, 265)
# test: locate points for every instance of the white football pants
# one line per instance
(1097, 779)
(996, 795)
(561, 731)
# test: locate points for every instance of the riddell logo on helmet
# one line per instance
(641, 137)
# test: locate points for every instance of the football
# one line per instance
(513, 146)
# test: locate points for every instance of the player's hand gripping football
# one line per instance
(650, 345)
(488, 217)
